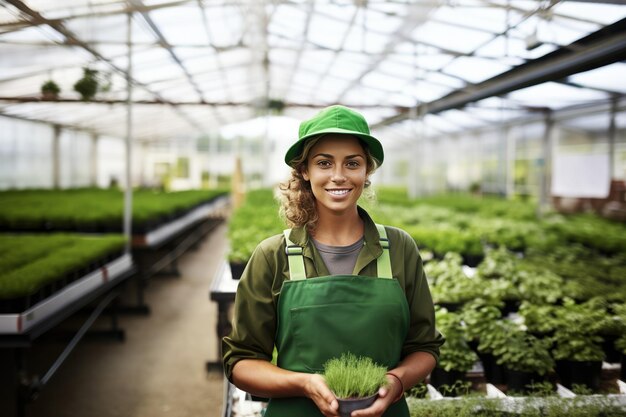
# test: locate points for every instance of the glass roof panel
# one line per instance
(554, 95)
(181, 25)
(475, 70)
(611, 77)
(450, 37)
(482, 18)
(604, 13)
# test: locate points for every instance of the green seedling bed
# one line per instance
(32, 267)
(90, 210)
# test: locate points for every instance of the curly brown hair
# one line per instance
(296, 197)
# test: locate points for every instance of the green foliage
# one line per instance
(576, 337)
(350, 376)
(449, 284)
(50, 87)
(523, 352)
(87, 86)
(28, 262)
(80, 207)
(455, 354)
(255, 220)
(480, 317)
(551, 406)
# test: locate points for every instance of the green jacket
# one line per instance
(256, 302)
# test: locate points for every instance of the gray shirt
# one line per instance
(340, 260)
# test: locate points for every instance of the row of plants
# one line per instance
(34, 266)
(537, 277)
(531, 406)
(94, 210)
(569, 340)
(256, 219)
(465, 223)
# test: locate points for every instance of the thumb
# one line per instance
(383, 391)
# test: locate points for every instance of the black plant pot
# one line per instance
(451, 307)
(472, 260)
(519, 381)
(494, 373)
(586, 373)
(440, 377)
(510, 306)
(611, 354)
(236, 269)
(348, 405)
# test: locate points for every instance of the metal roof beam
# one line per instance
(71, 38)
(604, 47)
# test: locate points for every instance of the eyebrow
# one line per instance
(329, 156)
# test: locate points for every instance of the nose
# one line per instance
(338, 175)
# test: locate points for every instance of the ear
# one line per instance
(305, 174)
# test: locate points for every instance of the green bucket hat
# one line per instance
(335, 119)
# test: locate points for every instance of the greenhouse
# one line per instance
(156, 247)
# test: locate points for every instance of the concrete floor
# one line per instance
(158, 371)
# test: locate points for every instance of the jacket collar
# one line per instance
(371, 251)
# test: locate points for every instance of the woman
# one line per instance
(335, 282)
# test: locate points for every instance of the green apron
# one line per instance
(321, 318)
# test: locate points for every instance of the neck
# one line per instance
(339, 228)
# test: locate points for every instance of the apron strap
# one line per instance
(295, 258)
(383, 263)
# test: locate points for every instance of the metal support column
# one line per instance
(93, 166)
(546, 167)
(128, 194)
(56, 157)
(612, 136)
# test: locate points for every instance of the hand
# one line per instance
(386, 395)
(317, 390)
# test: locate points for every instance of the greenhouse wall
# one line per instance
(506, 159)
(27, 157)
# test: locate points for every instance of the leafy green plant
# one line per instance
(576, 335)
(523, 352)
(50, 89)
(455, 354)
(350, 376)
(480, 317)
(87, 86)
(449, 284)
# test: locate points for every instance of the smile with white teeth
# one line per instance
(339, 192)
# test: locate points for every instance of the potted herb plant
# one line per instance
(481, 317)
(50, 90)
(525, 357)
(450, 286)
(355, 381)
(456, 357)
(577, 344)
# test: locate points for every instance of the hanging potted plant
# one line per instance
(50, 90)
(87, 86)
(355, 381)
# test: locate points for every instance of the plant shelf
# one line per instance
(106, 276)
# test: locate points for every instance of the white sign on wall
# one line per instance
(582, 176)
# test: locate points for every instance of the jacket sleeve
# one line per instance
(254, 319)
(423, 335)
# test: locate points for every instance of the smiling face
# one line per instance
(337, 170)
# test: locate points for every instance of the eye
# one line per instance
(353, 164)
(323, 163)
